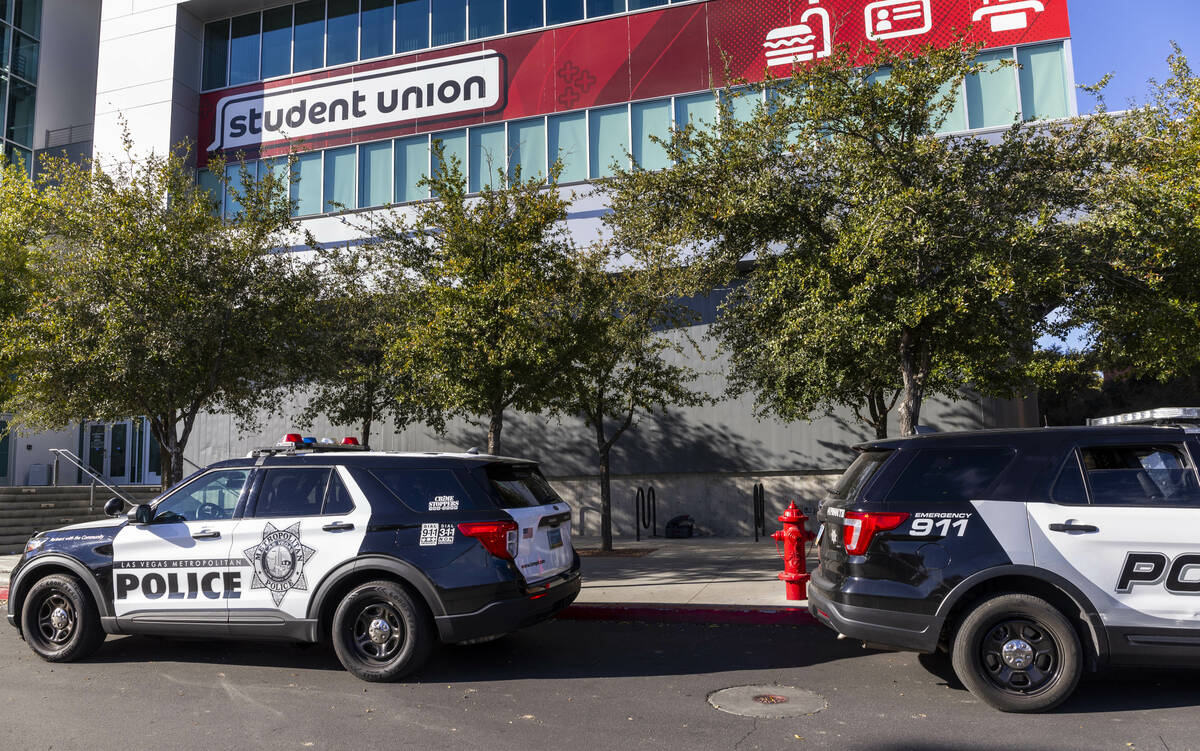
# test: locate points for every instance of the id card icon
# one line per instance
(892, 19)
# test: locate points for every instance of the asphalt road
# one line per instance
(569, 685)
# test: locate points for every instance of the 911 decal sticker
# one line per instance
(436, 534)
(941, 523)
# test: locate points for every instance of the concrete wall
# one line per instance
(70, 47)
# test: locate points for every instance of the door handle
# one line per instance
(206, 534)
(338, 527)
(1072, 527)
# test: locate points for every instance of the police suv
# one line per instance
(1028, 555)
(381, 553)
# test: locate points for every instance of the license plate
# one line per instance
(555, 538)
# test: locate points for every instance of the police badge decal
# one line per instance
(279, 561)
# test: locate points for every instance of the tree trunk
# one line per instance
(877, 401)
(914, 370)
(367, 423)
(604, 451)
(495, 427)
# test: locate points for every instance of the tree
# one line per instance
(932, 260)
(621, 366)
(144, 302)
(490, 272)
(1139, 299)
(20, 229)
(365, 308)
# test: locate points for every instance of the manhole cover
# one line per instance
(767, 701)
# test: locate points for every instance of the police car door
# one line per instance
(1127, 530)
(301, 523)
(176, 568)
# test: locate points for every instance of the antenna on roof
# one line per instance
(473, 450)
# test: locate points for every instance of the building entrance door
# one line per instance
(108, 450)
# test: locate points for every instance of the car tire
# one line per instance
(381, 632)
(59, 619)
(1017, 653)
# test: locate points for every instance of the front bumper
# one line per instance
(536, 604)
(908, 632)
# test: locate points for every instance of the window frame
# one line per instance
(1184, 451)
(239, 508)
(251, 505)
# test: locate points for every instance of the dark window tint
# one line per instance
(524, 14)
(277, 42)
(341, 32)
(604, 7)
(291, 492)
(521, 486)
(449, 21)
(412, 25)
(950, 475)
(1140, 475)
(562, 11)
(486, 18)
(216, 54)
(376, 29)
(337, 498)
(425, 489)
(244, 49)
(309, 35)
(212, 496)
(1069, 487)
(856, 475)
(639, 4)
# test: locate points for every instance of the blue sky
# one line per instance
(1130, 39)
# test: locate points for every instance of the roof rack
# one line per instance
(296, 449)
(1187, 417)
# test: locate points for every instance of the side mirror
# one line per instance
(141, 514)
(114, 507)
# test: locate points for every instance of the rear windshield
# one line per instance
(424, 489)
(521, 486)
(951, 475)
(856, 475)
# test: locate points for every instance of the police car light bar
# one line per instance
(1160, 416)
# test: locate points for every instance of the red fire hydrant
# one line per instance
(793, 536)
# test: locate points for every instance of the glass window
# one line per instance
(743, 103)
(486, 18)
(277, 42)
(855, 478)
(412, 164)
(236, 188)
(19, 156)
(1141, 476)
(293, 491)
(567, 140)
(375, 35)
(563, 11)
(449, 21)
(992, 94)
(211, 496)
(339, 178)
(521, 486)
(956, 120)
(487, 154)
(309, 36)
(243, 49)
(950, 475)
(1069, 487)
(639, 4)
(1043, 82)
(424, 489)
(306, 187)
(412, 25)
(278, 167)
(25, 57)
(209, 183)
(651, 119)
(454, 149)
(698, 109)
(341, 32)
(216, 54)
(337, 497)
(374, 174)
(20, 113)
(27, 16)
(604, 7)
(609, 140)
(527, 148)
(524, 14)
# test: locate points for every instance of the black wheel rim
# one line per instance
(1020, 656)
(57, 620)
(378, 633)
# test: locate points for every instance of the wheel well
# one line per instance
(41, 572)
(1022, 585)
(343, 587)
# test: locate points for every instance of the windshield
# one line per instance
(521, 486)
(856, 475)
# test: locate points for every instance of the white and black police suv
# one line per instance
(1028, 555)
(381, 553)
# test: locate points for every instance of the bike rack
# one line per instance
(759, 504)
(645, 512)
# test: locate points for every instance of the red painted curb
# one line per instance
(782, 616)
(3, 594)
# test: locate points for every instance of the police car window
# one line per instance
(1141, 475)
(424, 489)
(293, 491)
(337, 498)
(856, 475)
(950, 475)
(521, 486)
(209, 497)
(1069, 487)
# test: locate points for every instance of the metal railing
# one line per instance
(67, 136)
(95, 478)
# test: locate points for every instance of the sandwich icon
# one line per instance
(807, 40)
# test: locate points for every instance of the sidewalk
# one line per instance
(700, 579)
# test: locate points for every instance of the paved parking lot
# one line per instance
(563, 684)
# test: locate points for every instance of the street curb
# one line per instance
(3, 594)
(781, 616)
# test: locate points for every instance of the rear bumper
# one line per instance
(535, 605)
(907, 632)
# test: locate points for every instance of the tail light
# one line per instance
(860, 528)
(500, 538)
